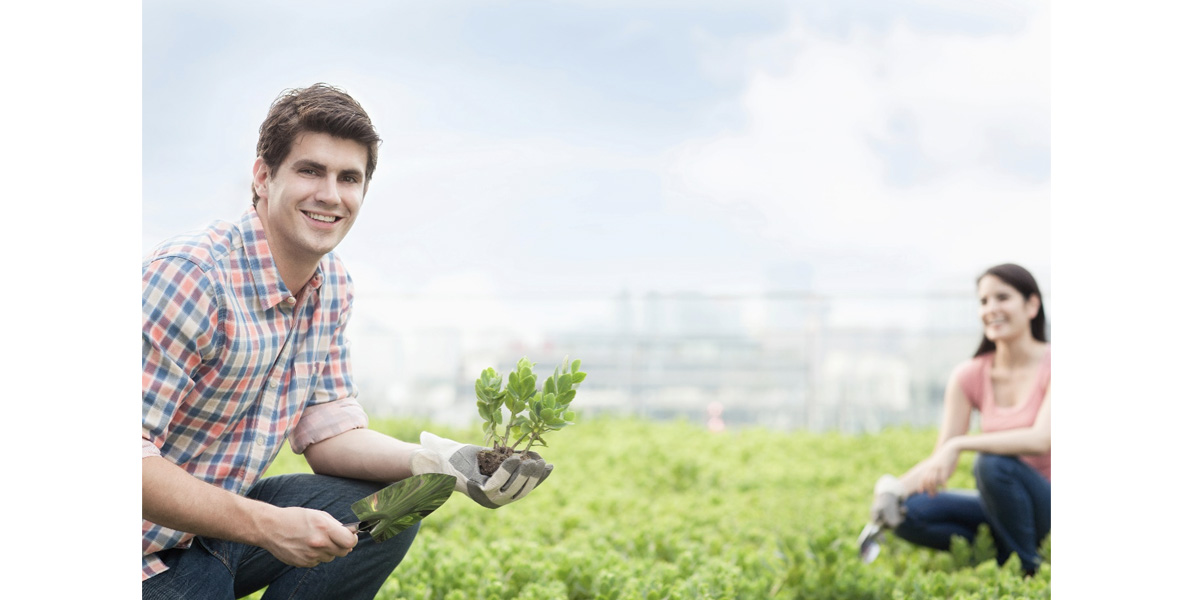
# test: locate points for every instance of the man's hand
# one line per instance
(512, 481)
(303, 537)
(888, 508)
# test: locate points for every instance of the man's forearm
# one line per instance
(173, 498)
(362, 454)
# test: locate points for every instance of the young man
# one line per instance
(243, 346)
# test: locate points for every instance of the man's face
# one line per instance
(311, 201)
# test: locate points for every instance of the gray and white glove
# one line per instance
(512, 481)
(888, 507)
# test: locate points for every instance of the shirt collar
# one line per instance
(267, 281)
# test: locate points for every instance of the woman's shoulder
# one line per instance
(970, 374)
(975, 363)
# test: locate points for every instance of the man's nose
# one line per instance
(327, 191)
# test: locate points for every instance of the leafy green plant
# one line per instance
(532, 413)
(704, 516)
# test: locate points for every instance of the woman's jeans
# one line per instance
(1012, 498)
(213, 568)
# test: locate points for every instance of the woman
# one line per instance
(1008, 382)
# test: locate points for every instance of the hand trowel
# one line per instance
(400, 505)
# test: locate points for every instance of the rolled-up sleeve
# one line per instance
(323, 421)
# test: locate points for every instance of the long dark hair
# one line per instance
(1023, 281)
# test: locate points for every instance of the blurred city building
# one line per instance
(788, 360)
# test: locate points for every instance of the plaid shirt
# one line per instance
(233, 363)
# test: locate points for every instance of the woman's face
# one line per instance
(1004, 311)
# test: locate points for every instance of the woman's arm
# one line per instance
(1026, 440)
(935, 470)
(956, 420)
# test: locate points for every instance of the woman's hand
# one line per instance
(939, 467)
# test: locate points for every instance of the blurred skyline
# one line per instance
(596, 148)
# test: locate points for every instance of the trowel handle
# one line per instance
(357, 529)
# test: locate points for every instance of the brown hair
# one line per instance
(319, 108)
(1023, 281)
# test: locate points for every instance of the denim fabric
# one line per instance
(1012, 499)
(213, 568)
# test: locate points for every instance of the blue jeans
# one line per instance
(213, 568)
(1012, 499)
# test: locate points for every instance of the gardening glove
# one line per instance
(888, 508)
(512, 481)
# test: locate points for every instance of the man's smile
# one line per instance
(321, 218)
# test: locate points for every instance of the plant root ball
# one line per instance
(489, 460)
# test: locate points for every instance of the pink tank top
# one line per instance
(976, 381)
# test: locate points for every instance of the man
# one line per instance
(243, 346)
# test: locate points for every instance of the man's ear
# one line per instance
(261, 174)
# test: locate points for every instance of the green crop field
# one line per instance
(641, 510)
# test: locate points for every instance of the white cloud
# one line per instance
(886, 141)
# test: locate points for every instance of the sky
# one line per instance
(581, 149)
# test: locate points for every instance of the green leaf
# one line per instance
(569, 415)
(575, 365)
(579, 377)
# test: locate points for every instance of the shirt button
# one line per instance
(291, 300)
(261, 440)
(272, 385)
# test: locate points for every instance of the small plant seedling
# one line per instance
(531, 412)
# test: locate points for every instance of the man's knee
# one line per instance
(321, 492)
